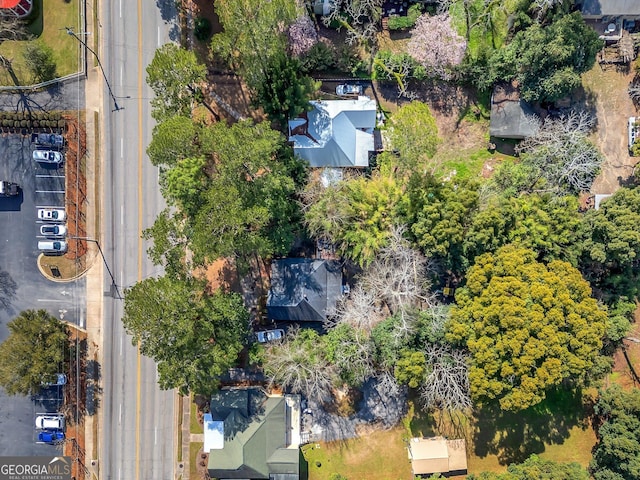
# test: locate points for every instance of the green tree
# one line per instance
(185, 183)
(547, 61)
(253, 34)
(528, 326)
(174, 75)
(350, 350)
(438, 214)
(411, 368)
(616, 456)
(544, 223)
(611, 249)
(169, 243)
(35, 350)
(173, 139)
(40, 61)
(413, 133)
(284, 91)
(194, 337)
(356, 215)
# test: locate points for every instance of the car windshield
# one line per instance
(54, 214)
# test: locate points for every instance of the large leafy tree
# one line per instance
(174, 75)
(616, 456)
(284, 91)
(547, 60)
(438, 214)
(544, 223)
(413, 133)
(34, 351)
(175, 138)
(253, 34)
(357, 215)
(193, 336)
(528, 326)
(611, 250)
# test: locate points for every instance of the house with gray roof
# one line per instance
(335, 133)
(303, 289)
(251, 435)
(598, 9)
(511, 117)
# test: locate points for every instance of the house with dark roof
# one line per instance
(15, 8)
(254, 436)
(599, 9)
(303, 289)
(335, 133)
(511, 117)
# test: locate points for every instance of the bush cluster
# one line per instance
(397, 22)
(31, 120)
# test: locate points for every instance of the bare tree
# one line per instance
(359, 17)
(561, 153)
(634, 90)
(12, 28)
(298, 365)
(446, 384)
(395, 283)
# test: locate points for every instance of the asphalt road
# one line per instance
(137, 437)
(18, 253)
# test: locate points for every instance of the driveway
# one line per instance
(41, 186)
(607, 91)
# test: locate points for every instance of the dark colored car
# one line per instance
(47, 139)
(50, 436)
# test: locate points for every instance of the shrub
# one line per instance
(202, 29)
(397, 22)
(319, 58)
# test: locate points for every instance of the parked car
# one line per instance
(50, 422)
(54, 380)
(50, 436)
(52, 246)
(47, 139)
(270, 335)
(52, 214)
(9, 189)
(345, 89)
(48, 156)
(50, 230)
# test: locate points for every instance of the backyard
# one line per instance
(51, 18)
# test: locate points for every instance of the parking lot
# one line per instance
(41, 186)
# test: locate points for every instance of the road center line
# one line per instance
(120, 415)
(121, 147)
(120, 8)
(121, 216)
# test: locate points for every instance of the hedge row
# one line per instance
(397, 22)
(32, 123)
(34, 116)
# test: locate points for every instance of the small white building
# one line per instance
(438, 455)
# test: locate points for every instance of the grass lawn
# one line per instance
(558, 429)
(194, 448)
(194, 426)
(48, 28)
(381, 455)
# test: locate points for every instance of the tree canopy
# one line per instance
(173, 75)
(535, 468)
(193, 336)
(547, 60)
(616, 456)
(34, 351)
(528, 326)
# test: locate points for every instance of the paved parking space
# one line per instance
(42, 186)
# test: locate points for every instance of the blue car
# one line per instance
(50, 436)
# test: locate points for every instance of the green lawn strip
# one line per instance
(380, 455)
(466, 163)
(194, 425)
(53, 16)
(194, 448)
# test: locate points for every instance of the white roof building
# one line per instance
(335, 133)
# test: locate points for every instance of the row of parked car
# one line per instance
(55, 232)
(48, 148)
(51, 426)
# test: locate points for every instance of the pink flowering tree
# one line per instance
(436, 45)
(302, 35)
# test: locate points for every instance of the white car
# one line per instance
(50, 422)
(52, 214)
(48, 156)
(347, 89)
(52, 246)
(51, 230)
(270, 335)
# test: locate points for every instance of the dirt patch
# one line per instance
(221, 274)
(75, 187)
(606, 91)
